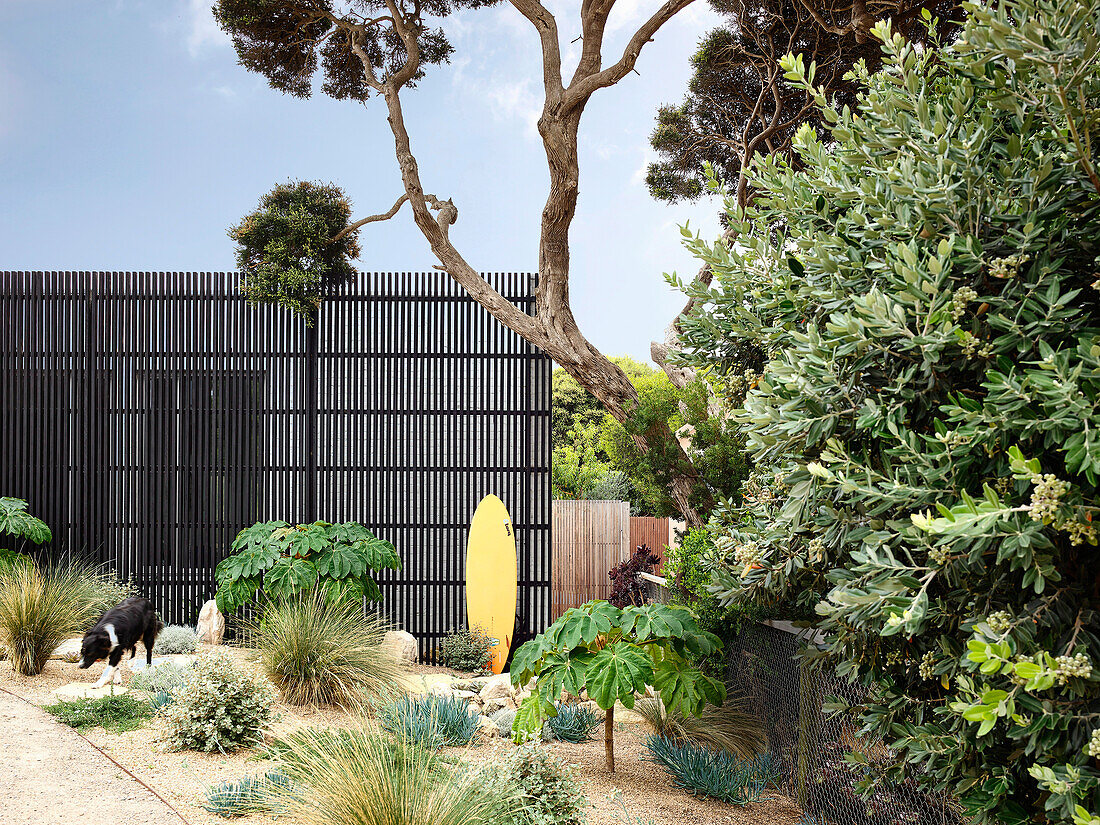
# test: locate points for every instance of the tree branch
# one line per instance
(384, 216)
(579, 91)
(547, 27)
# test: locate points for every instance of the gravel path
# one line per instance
(50, 776)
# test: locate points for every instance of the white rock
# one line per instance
(497, 687)
(402, 646)
(69, 650)
(80, 690)
(211, 627)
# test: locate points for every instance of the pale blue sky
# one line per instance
(130, 140)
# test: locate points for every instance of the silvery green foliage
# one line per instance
(165, 678)
(176, 638)
(545, 791)
(913, 320)
(221, 707)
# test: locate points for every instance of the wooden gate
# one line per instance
(589, 538)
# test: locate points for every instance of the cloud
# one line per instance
(202, 31)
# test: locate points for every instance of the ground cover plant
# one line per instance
(247, 795)
(116, 713)
(913, 319)
(466, 649)
(176, 638)
(41, 606)
(430, 721)
(320, 651)
(543, 790)
(284, 561)
(573, 723)
(220, 707)
(367, 777)
(714, 773)
(615, 653)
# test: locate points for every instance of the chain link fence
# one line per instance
(822, 755)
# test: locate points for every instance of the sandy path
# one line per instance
(50, 776)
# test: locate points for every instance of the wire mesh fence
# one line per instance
(822, 756)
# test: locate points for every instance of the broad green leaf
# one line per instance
(617, 672)
(341, 560)
(290, 576)
(532, 712)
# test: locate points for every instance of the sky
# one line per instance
(130, 139)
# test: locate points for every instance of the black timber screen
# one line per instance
(148, 417)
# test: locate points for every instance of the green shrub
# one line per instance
(42, 606)
(717, 774)
(432, 722)
(466, 650)
(544, 790)
(285, 561)
(366, 777)
(913, 309)
(116, 713)
(573, 723)
(176, 638)
(163, 679)
(724, 727)
(318, 651)
(220, 707)
(247, 795)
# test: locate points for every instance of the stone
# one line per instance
(68, 650)
(497, 687)
(211, 627)
(402, 646)
(84, 690)
(491, 706)
(487, 730)
(468, 695)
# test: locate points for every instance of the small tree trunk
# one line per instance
(609, 738)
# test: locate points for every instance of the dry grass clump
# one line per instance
(364, 777)
(728, 727)
(323, 652)
(41, 606)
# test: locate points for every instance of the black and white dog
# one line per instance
(119, 630)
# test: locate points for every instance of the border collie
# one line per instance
(119, 630)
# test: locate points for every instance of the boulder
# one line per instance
(211, 627)
(491, 706)
(402, 646)
(497, 687)
(468, 695)
(487, 730)
(68, 650)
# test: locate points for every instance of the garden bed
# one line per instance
(182, 777)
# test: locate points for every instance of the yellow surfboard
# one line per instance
(491, 577)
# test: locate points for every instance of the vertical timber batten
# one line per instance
(148, 417)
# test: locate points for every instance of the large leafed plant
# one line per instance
(615, 654)
(914, 317)
(283, 560)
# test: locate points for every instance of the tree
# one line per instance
(921, 291)
(379, 48)
(739, 104)
(615, 654)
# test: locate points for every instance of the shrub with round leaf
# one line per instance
(614, 654)
(285, 561)
(16, 525)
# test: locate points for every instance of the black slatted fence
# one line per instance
(148, 417)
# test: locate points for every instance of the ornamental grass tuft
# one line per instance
(325, 652)
(713, 773)
(726, 727)
(41, 606)
(366, 777)
(432, 722)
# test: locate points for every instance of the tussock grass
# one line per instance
(728, 727)
(431, 721)
(41, 606)
(364, 777)
(247, 795)
(321, 652)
